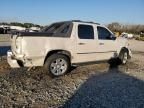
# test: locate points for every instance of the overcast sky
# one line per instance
(48, 11)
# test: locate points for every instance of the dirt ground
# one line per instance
(92, 86)
(4, 39)
(136, 45)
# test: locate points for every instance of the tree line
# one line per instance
(128, 28)
(26, 25)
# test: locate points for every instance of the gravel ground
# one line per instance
(91, 86)
(136, 45)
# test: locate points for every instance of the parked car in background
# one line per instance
(127, 35)
(142, 33)
(4, 29)
(1, 30)
(64, 44)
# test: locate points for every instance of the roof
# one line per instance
(79, 21)
(85, 22)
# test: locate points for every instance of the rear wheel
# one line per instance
(57, 65)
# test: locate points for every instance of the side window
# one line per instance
(65, 29)
(103, 33)
(85, 32)
(53, 28)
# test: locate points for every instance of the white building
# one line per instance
(17, 28)
(4, 26)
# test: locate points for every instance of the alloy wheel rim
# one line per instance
(58, 66)
(125, 57)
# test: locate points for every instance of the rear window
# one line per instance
(59, 29)
(65, 29)
(53, 28)
(85, 32)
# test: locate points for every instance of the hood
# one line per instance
(122, 41)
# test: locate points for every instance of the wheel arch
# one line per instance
(64, 52)
(124, 49)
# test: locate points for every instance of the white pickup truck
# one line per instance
(63, 44)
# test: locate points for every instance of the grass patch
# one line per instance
(140, 38)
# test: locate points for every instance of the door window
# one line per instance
(85, 32)
(104, 34)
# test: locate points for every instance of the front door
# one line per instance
(107, 44)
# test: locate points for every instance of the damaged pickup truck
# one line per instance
(63, 44)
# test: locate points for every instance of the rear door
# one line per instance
(86, 43)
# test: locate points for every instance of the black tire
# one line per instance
(57, 65)
(123, 56)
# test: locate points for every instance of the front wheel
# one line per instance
(57, 65)
(123, 56)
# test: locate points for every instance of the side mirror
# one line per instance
(113, 37)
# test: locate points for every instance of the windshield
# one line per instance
(52, 28)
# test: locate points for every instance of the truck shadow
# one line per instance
(112, 89)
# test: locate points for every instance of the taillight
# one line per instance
(18, 44)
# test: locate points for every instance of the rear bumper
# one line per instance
(21, 61)
(11, 60)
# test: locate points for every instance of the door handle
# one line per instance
(81, 43)
(101, 43)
